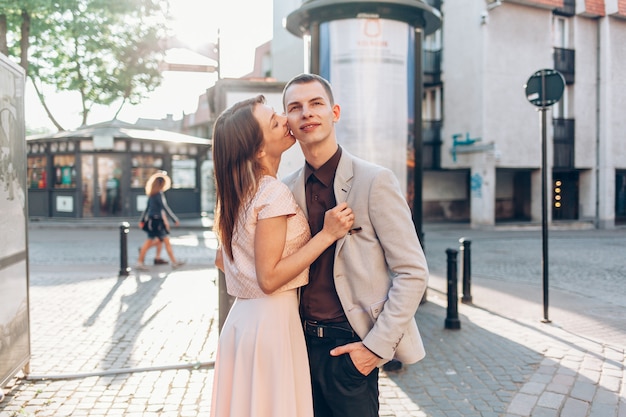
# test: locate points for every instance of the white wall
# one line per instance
(585, 92)
(462, 67)
(518, 44)
(287, 49)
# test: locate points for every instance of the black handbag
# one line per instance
(154, 224)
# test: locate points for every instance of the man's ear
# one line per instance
(336, 112)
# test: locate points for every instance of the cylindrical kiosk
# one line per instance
(371, 52)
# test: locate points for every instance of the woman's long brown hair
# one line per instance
(237, 138)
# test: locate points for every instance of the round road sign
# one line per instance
(545, 87)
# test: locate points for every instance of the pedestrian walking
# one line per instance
(154, 221)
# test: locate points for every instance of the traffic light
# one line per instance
(557, 196)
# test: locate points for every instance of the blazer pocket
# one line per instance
(376, 309)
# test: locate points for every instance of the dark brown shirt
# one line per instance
(318, 299)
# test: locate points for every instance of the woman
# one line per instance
(154, 222)
(265, 251)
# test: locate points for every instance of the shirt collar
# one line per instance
(326, 173)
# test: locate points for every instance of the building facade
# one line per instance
(101, 170)
(483, 138)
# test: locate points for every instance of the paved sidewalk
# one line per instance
(142, 346)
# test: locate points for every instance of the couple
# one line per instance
(357, 282)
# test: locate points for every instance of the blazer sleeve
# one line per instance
(407, 268)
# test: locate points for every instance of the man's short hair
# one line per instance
(309, 78)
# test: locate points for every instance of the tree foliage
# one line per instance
(107, 51)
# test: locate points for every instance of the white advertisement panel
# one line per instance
(14, 333)
(367, 63)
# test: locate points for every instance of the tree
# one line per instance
(107, 51)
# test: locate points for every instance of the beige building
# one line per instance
(482, 136)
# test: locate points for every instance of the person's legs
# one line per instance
(339, 389)
(157, 257)
(142, 252)
(170, 252)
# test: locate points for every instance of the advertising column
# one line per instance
(367, 63)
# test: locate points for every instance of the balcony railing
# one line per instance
(431, 150)
(432, 68)
(564, 143)
(568, 9)
(565, 63)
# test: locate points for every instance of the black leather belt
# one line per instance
(332, 331)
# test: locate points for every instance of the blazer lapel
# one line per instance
(343, 177)
(298, 192)
(342, 186)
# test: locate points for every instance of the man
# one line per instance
(358, 308)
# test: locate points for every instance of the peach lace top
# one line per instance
(273, 198)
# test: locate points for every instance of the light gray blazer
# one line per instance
(380, 270)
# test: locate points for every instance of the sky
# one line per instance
(242, 24)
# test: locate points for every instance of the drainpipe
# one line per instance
(598, 50)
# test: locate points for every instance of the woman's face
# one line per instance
(277, 137)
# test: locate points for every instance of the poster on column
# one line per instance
(366, 61)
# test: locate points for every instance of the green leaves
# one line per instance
(105, 50)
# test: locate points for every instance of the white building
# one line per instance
(483, 138)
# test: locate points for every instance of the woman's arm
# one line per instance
(219, 259)
(272, 270)
(168, 210)
(166, 222)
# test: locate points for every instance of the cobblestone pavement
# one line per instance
(142, 345)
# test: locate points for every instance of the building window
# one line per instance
(64, 171)
(183, 172)
(561, 32)
(37, 176)
(142, 167)
(120, 145)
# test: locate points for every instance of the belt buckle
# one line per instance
(320, 331)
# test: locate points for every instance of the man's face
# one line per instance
(310, 115)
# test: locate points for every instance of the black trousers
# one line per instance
(339, 389)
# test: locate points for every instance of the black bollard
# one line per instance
(124, 269)
(467, 269)
(452, 318)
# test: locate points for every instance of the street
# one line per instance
(142, 345)
(506, 262)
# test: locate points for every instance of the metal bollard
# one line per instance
(467, 269)
(452, 318)
(124, 268)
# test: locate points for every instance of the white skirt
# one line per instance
(261, 367)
